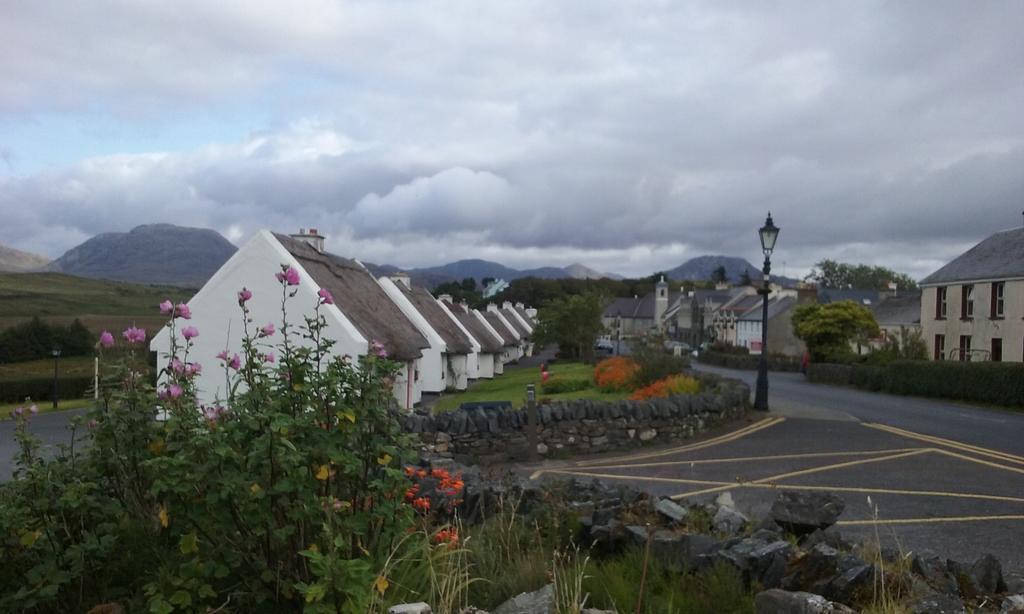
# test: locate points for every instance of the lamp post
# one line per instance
(56, 356)
(531, 421)
(769, 232)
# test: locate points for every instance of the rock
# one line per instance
(937, 603)
(538, 602)
(1014, 584)
(802, 512)
(410, 608)
(935, 572)
(671, 510)
(472, 610)
(542, 448)
(852, 584)
(813, 570)
(725, 499)
(1014, 604)
(728, 520)
(777, 601)
(987, 575)
(757, 560)
(830, 536)
(648, 434)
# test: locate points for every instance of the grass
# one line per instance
(46, 407)
(512, 387)
(70, 366)
(99, 304)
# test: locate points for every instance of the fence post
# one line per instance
(531, 421)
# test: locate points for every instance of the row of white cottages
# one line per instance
(442, 345)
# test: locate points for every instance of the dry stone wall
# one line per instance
(569, 428)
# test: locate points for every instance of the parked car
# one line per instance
(604, 345)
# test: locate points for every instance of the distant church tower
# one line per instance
(660, 302)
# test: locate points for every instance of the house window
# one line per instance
(967, 302)
(965, 348)
(997, 350)
(940, 303)
(940, 347)
(998, 289)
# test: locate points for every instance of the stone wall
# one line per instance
(567, 428)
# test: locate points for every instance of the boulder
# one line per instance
(852, 585)
(538, 602)
(934, 571)
(728, 520)
(410, 608)
(777, 601)
(803, 512)
(987, 575)
(757, 560)
(813, 569)
(937, 603)
(1014, 604)
(671, 510)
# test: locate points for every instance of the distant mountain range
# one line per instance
(150, 254)
(704, 267)
(430, 277)
(16, 261)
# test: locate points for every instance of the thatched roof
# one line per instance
(489, 344)
(507, 338)
(516, 324)
(358, 295)
(434, 314)
(522, 311)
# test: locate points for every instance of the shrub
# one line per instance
(750, 362)
(41, 388)
(669, 386)
(556, 386)
(615, 374)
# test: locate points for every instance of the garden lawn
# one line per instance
(512, 387)
(46, 407)
(70, 366)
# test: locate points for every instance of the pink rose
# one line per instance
(223, 355)
(183, 311)
(166, 307)
(177, 366)
(267, 330)
(378, 348)
(193, 369)
(190, 332)
(270, 357)
(134, 335)
(244, 295)
(289, 275)
(235, 363)
(325, 297)
(106, 339)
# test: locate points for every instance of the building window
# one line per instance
(940, 347)
(965, 348)
(997, 350)
(998, 289)
(940, 303)
(967, 302)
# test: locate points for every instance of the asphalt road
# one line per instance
(789, 394)
(51, 429)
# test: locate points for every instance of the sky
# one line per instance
(629, 135)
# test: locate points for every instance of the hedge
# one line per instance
(998, 383)
(41, 388)
(749, 362)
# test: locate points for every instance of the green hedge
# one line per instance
(998, 383)
(41, 388)
(556, 386)
(749, 362)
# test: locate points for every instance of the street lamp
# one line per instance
(769, 232)
(56, 356)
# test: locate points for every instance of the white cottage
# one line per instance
(362, 312)
(491, 344)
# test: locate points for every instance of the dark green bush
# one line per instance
(41, 388)
(654, 362)
(776, 362)
(556, 386)
(36, 339)
(999, 383)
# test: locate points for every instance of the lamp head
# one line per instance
(769, 233)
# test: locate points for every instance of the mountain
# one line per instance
(16, 261)
(430, 277)
(702, 268)
(152, 254)
(581, 271)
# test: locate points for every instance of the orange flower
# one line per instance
(422, 504)
(672, 385)
(615, 374)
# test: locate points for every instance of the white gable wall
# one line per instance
(498, 360)
(432, 365)
(473, 358)
(217, 316)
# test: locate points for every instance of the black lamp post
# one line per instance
(769, 232)
(56, 356)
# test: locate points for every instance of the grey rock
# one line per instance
(538, 602)
(1014, 604)
(987, 575)
(813, 570)
(672, 510)
(725, 499)
(728, 520)
(851, 584)
(803, 512)
(937, 603)
(777, 601)
(1014, 583)
(410, 608)
(934, 571)
(830, 536)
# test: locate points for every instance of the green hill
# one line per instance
(99, 304)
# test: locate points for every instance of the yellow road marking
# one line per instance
(886, 491)
(741, 459)
(980, 461)
(612, 476)
(848, 523)
(791, 474)
(743, 432)
(959, 445)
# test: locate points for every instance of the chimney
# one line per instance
(520, 306)
(492, 308)
(446, 298)
(506, 305)
(313, 238)
(402, 278)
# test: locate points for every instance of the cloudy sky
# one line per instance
(628, 135)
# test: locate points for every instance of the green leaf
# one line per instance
(189, 543)
(181, 598)
(159, 606)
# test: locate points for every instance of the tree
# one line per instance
(832, 274)
(720, 275)
(745, 279)
(573, 322)
(469, 284)
(829, 329)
